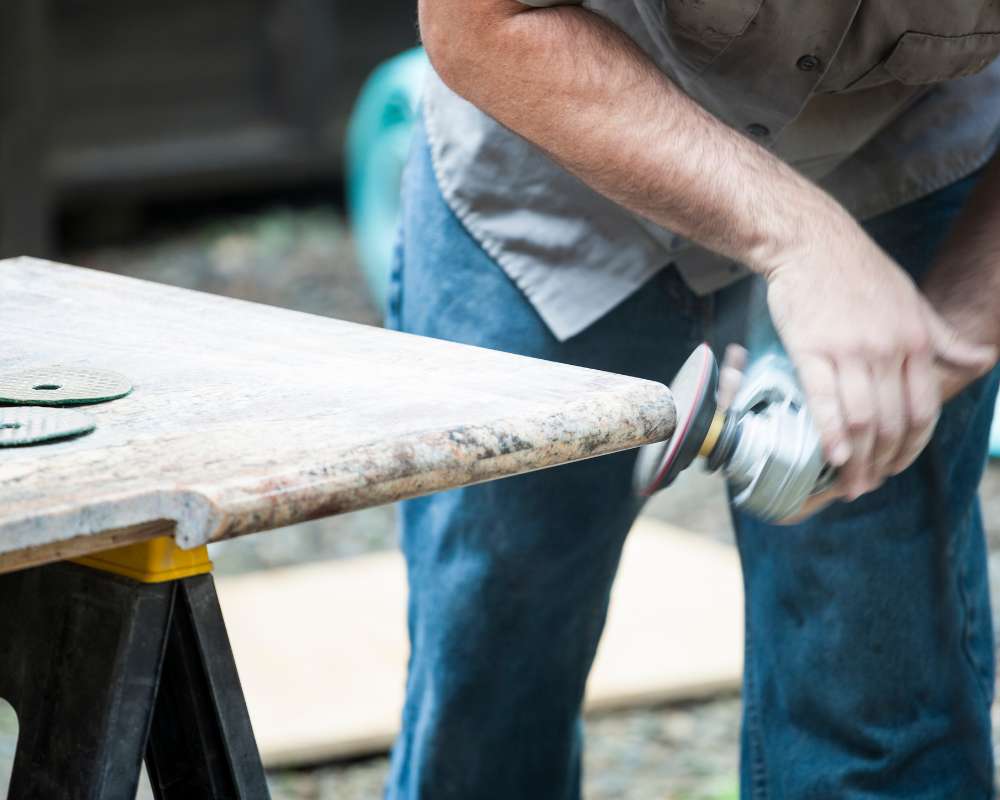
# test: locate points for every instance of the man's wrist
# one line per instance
(808, 220)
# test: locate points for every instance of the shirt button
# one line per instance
(807, 63)
(758, 130)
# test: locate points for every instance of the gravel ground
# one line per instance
(685, 752)
(302, 259)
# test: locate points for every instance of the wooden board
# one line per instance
(321, 649)
(246, 417)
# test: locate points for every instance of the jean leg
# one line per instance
(869, 665)
(510, 580)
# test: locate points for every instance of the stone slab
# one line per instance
(246, 417)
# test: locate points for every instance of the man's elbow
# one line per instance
(437, 39)
(462, 38)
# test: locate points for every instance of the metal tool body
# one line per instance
(765, 443)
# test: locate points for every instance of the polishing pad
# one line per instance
(61, 386)
(694, 388)
(28, 425)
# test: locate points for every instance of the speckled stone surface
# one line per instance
(246, 417)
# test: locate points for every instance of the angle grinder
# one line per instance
(765, 443)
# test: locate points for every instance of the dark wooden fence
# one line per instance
(127, 99)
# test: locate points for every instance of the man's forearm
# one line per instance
(580, 89)
(964, 283)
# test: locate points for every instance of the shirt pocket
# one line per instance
(925, 58)
(702, 29)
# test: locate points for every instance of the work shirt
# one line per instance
(878, 102)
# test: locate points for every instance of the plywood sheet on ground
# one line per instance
(322, 648)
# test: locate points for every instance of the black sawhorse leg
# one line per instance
(104, 670)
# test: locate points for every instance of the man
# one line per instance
(589, 185)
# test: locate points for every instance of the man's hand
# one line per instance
(865, 343)
(963, 288)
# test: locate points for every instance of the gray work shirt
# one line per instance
(879, 103)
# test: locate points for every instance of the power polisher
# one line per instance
(765, 443)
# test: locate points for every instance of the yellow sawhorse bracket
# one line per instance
(153, 561)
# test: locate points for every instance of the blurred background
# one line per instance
(252, 148)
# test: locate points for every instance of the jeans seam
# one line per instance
(758, 789)
(966, 604)
(758, 770)
(952, 529)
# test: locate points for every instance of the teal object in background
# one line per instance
(995, 434)
(378, 141)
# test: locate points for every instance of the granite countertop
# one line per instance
(247, 417)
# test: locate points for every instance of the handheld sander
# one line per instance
(765, 443)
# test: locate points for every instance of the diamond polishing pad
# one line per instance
(694, 388)
(29, 425)
(61, 386)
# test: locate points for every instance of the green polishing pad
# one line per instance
(26, 425)
(61, 386)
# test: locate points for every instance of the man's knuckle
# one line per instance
(878, 351)
(923, 416)
(895, 468)
(859, 422)
(918, 343)
(854, 351)
(831, 438)
(923, 411)
(903, 461)
(890, 430)
(824, 407)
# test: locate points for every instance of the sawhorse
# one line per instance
(118, 657)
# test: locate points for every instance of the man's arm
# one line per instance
(964, 283)
(576, 86)
(861, 336)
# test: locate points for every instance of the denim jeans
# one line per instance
(869, 660)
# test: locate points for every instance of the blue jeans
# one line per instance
(869, 662)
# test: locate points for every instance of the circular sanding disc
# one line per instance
(62, 386)
(31, 425)
(694, 389)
